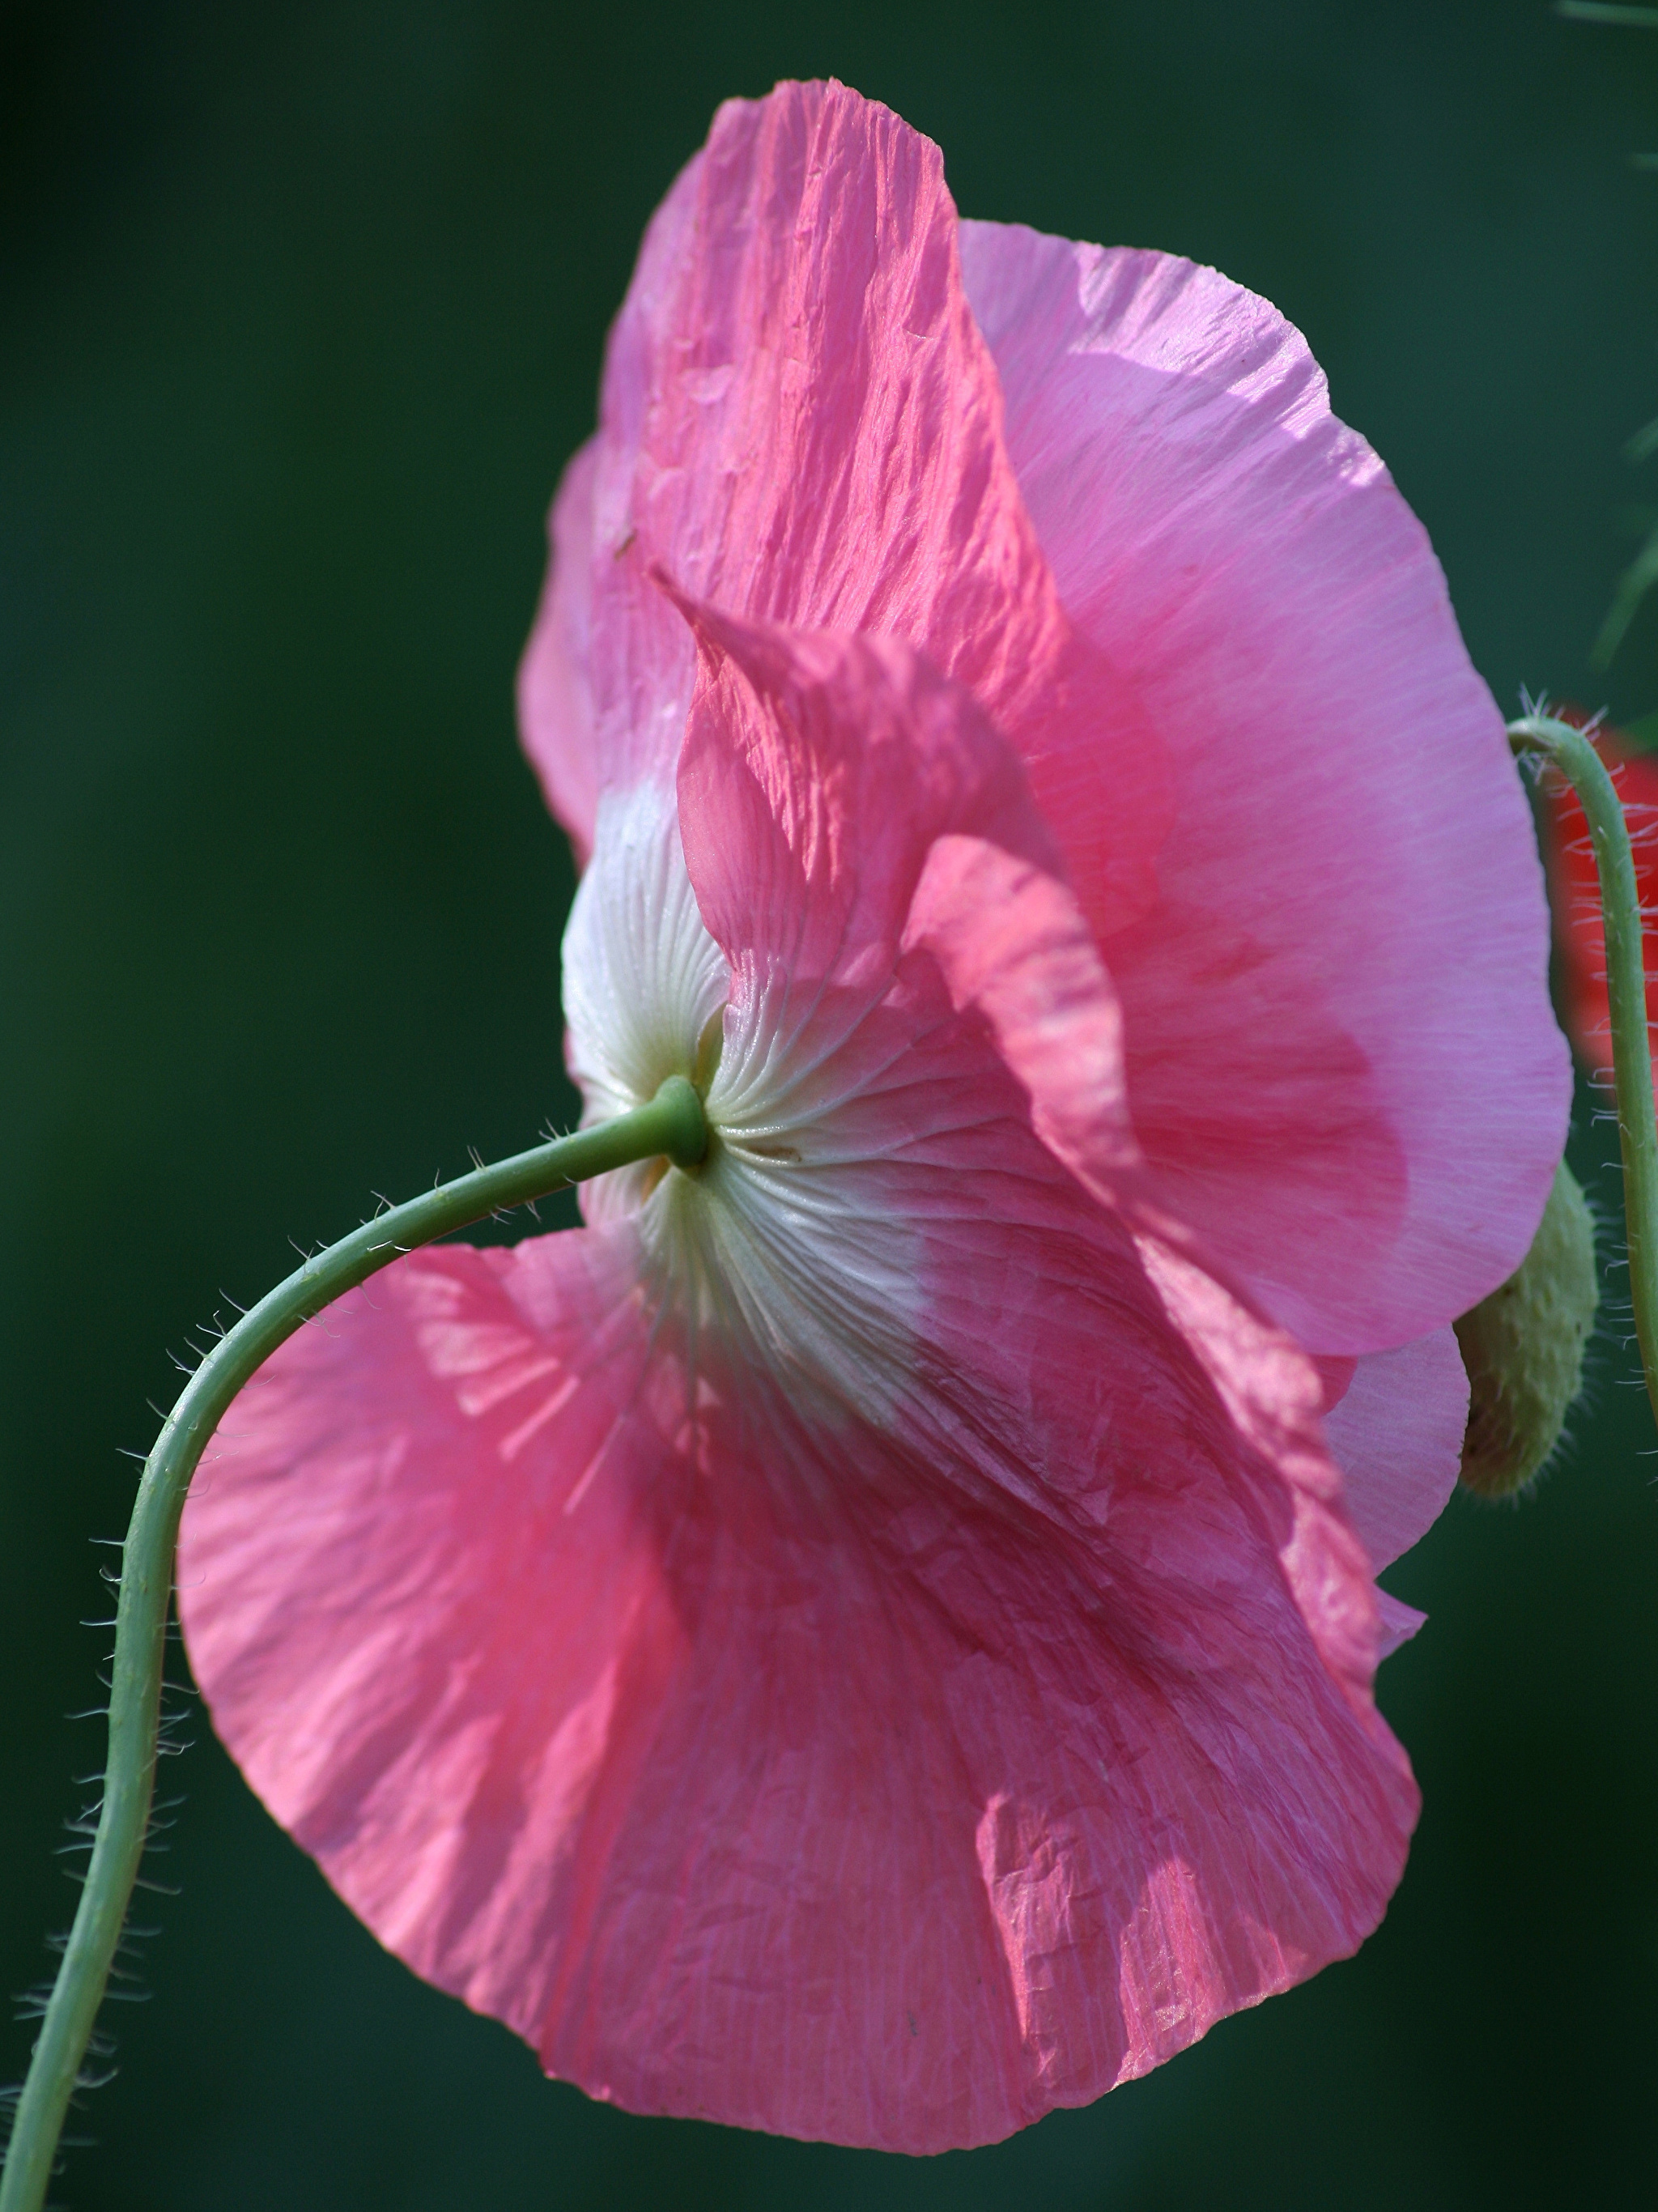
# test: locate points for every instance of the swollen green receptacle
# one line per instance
(1523, 1348)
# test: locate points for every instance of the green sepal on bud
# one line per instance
(1523, 1348)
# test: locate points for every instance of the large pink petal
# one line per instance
(810, 1778)
(801, 422)
(1396, 1434)
(820, 437)
(1013, 941)
(1337, 1030)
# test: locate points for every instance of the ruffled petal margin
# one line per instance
(1336, 1013)
(1394, 1422)
(798, 1780)
(801, 423)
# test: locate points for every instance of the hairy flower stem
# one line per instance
(1573, 754)
(672, 1125)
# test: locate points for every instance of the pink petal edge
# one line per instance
(555, 695)
(1337, 1019)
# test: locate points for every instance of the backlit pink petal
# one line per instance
(789, 755)
(1338, 1038)
(801, 423)
(1010, 940)
(819, 443)
(362, 1576)
(1013, 941)
(1396, 1434)
(555, 694)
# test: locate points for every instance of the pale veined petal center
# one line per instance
(780, 1247)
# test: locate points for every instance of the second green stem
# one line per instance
(1573, 754)
(673, 1125)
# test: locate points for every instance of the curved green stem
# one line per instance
(673, 1124)
(1573, 754)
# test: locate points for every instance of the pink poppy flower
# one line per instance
(869, 1639)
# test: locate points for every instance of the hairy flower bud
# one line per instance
(1523, 1348)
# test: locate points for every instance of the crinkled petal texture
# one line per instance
(874, 1713)
(801, 422)
(1197, 605)
(1342, 1063)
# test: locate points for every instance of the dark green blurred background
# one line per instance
(302, 309)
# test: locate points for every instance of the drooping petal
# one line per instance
(1337, 1030)
(363, 1582)
(798, 1777)
(782, 779)
(1013, 942)
(801, 423)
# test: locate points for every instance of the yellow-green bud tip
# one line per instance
(1523, 1348)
